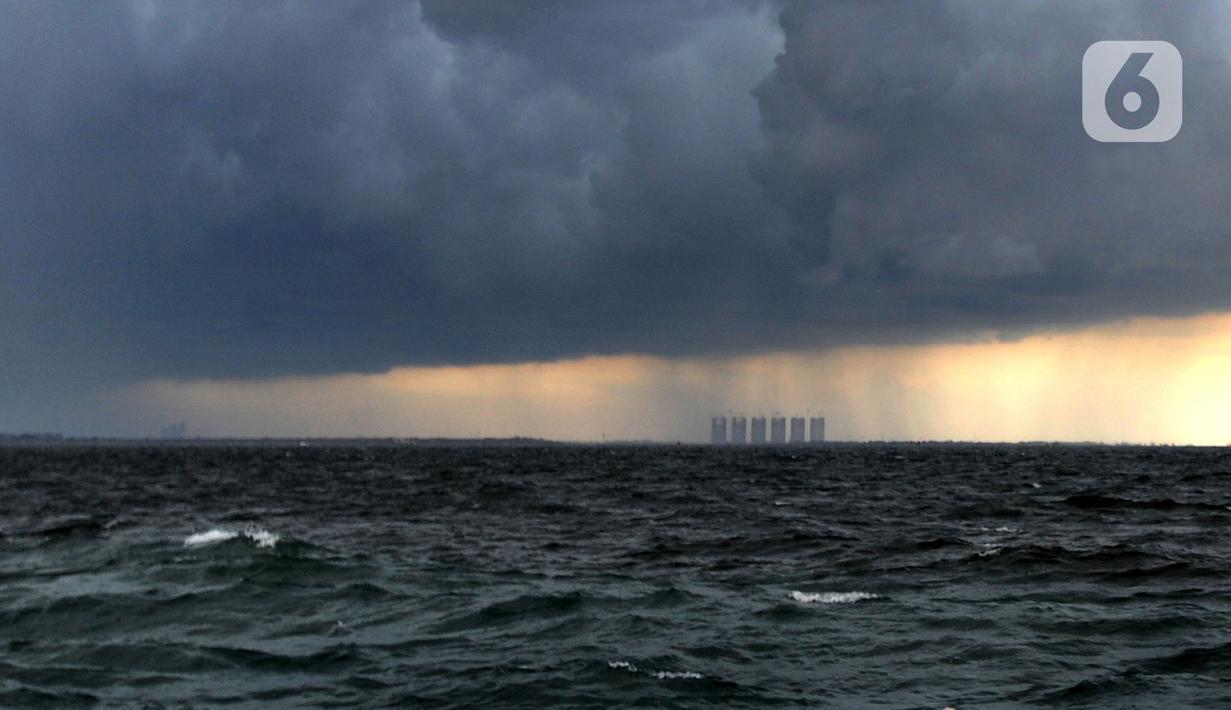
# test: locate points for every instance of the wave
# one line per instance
(76, 525)
(780, 544)
(26, 696)
(1111, 563)
(832, 597)
(983, 511)
(210, 537)
(1094, 500)
(674, 675)
(252, 534)
(1130, 682)
(933, 543)
(660, 675)
(1109, 555)
(530, 607)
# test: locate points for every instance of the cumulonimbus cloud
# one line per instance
(240, 190)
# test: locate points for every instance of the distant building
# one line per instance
(777, 430)
(175, 431)
(796, 430)
(798, 435)
(816, 432)
(739, 430)
(758, 430)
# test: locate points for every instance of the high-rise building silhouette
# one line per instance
(798, 430)
(777, 430)
(739, 430)
(798, 435)
(758, 430)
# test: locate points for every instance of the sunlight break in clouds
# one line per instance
(1143, 380)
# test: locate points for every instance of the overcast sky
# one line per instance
(251, 191)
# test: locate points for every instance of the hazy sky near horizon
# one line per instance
(1143, 381)
(574, 218)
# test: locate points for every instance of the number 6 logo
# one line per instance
(1132, 92)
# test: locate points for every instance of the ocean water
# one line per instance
(846, 576)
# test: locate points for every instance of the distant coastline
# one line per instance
(38, 439)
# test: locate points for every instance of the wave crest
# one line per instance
(832, 597)
(660, 675)
(255, 535)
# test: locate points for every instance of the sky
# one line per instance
(596, 218)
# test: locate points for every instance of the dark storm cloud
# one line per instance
(937, 150)
(254, 189)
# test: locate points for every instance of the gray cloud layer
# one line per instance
(251, 189)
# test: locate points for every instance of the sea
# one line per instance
(529, 576)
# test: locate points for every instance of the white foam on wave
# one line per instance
(661, 675)
(677, 675)
(209, 537)
(262, 538)
(832, 597)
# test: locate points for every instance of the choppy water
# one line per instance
(650, 577)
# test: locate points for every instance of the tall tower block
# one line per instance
(797, 430)
(777, 430)
(718, 431)
(758, 430)
(816, 431)
(739, 430)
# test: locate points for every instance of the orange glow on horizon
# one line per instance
(1145, 380)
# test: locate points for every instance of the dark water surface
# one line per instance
(851, 576)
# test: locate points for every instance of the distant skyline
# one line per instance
(1148, 381)
(570, 220)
